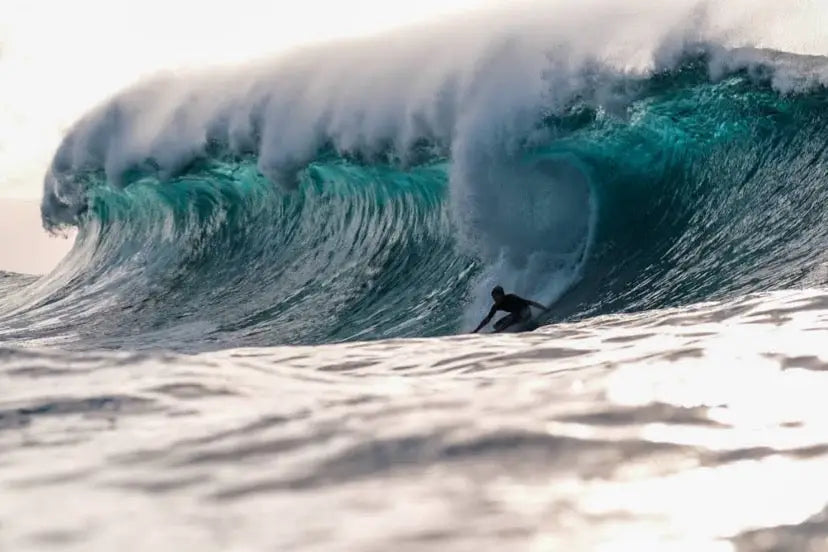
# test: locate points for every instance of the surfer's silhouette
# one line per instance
(519, 310)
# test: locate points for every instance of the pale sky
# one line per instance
(58, 59)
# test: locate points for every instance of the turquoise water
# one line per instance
(691, 190)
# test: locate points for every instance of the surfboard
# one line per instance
(520, 327)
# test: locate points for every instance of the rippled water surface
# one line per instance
(701, 428)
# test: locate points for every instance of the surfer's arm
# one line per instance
(486, 320)
(538, 305)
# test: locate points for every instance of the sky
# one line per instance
(59, 59)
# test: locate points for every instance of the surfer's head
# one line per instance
(497, 293)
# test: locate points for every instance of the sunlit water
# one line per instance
(703, 428)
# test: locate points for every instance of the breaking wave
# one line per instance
(355, 192)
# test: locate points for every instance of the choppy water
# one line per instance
(685, 429)
(258, 341)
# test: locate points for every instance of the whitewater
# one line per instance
(260, 339)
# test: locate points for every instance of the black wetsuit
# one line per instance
(518, 308)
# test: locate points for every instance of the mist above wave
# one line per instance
(473, 88)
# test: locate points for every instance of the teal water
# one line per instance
(693, 189)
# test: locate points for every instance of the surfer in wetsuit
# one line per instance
(519, 310)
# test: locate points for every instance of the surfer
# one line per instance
(519, 309)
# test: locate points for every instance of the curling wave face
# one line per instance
(339, 196)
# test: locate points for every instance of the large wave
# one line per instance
(606, 161)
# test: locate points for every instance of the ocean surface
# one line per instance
(260, 340)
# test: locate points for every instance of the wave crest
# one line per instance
(631, 172)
